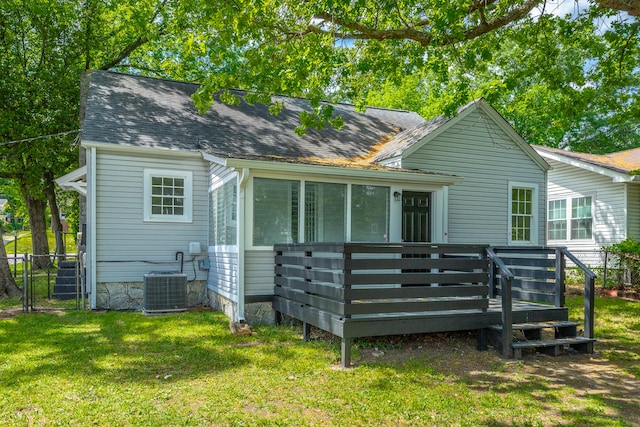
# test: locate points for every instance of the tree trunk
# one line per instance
(8, 287)
(56, 225)
(38, 224)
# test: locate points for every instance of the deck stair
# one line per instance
(66, 281)
(553, 338)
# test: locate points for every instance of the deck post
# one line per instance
(589, 282)
(507, 318)
(306, 331)
(345, 352)
(559, 279)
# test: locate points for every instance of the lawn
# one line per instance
(125, 369)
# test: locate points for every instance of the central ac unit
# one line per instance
(164, 291)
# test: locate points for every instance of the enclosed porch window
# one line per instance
(275, 211)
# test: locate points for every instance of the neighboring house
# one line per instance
(593, 200)
(162, 180)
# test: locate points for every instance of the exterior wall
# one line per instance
(633, 211)
(127, 247)
(259, 272)
(129, 295)
(478, 150)
(609, 208)
(223, 260)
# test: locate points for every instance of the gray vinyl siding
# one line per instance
(609, 207)
(633, 211)
(223, 260)
(476, 149)
(259, 272)
(127, 247)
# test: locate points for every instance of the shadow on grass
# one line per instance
(125, 347)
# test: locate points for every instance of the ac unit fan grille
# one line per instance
(164, 292)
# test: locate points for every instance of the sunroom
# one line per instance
(256, 203)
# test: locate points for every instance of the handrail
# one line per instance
(506, 277)
(589, 293)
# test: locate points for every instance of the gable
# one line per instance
(477, 114)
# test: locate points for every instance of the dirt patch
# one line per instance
(13, 311)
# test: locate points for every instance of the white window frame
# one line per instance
(187, 176)
(569, 216)
(534, 213)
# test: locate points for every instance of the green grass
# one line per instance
(125, 369)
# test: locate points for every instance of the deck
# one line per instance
(360, 290)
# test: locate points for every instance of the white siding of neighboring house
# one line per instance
(609, 208)
(633, 211)
(127, 247)
(476, 149)
(223, 272)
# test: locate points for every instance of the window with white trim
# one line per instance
(167, 195)
(523, 207)
(369, 213)
(325, 212)
(223, 207)
(275, 211)
(574, 224)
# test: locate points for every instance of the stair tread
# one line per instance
(537, 325)
(549, 343)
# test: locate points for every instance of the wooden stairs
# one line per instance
(553, 338)
(66, 284)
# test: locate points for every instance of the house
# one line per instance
(169, 189)
(593, 200)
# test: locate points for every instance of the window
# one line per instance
(581, 220)
(223, 214)
(275, 211)
(369, 213)
(325, 212)
(522, 215)
(577, 225)
(167, 195)
(557, 223)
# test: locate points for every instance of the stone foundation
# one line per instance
(128, 295)
(257, 313)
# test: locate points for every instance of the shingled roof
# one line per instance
(621, 161)
(127, 110)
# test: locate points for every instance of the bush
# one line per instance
(626, 255)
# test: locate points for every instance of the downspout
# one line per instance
(91, 218)
(244, 178)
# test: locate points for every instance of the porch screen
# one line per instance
(369, 213)
(275, 211)
(325, 211)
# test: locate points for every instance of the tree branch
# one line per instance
(356, 30)
(632, 7)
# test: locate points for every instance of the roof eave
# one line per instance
(344, 172)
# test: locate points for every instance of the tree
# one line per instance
(345, 51)
(8, 286)
(44, 47)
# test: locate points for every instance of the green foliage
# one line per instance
(626, 255)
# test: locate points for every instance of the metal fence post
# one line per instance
(25, 283)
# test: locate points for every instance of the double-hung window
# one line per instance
(523, 213)
(570, 218)
(168, 195)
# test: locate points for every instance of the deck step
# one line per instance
(537, 325)
(555, 347)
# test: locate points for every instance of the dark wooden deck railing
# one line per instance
(535, 274)
(372, 289)
(336, 286)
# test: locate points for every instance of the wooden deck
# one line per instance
(360, 290)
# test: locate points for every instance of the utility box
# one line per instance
(164, 291)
